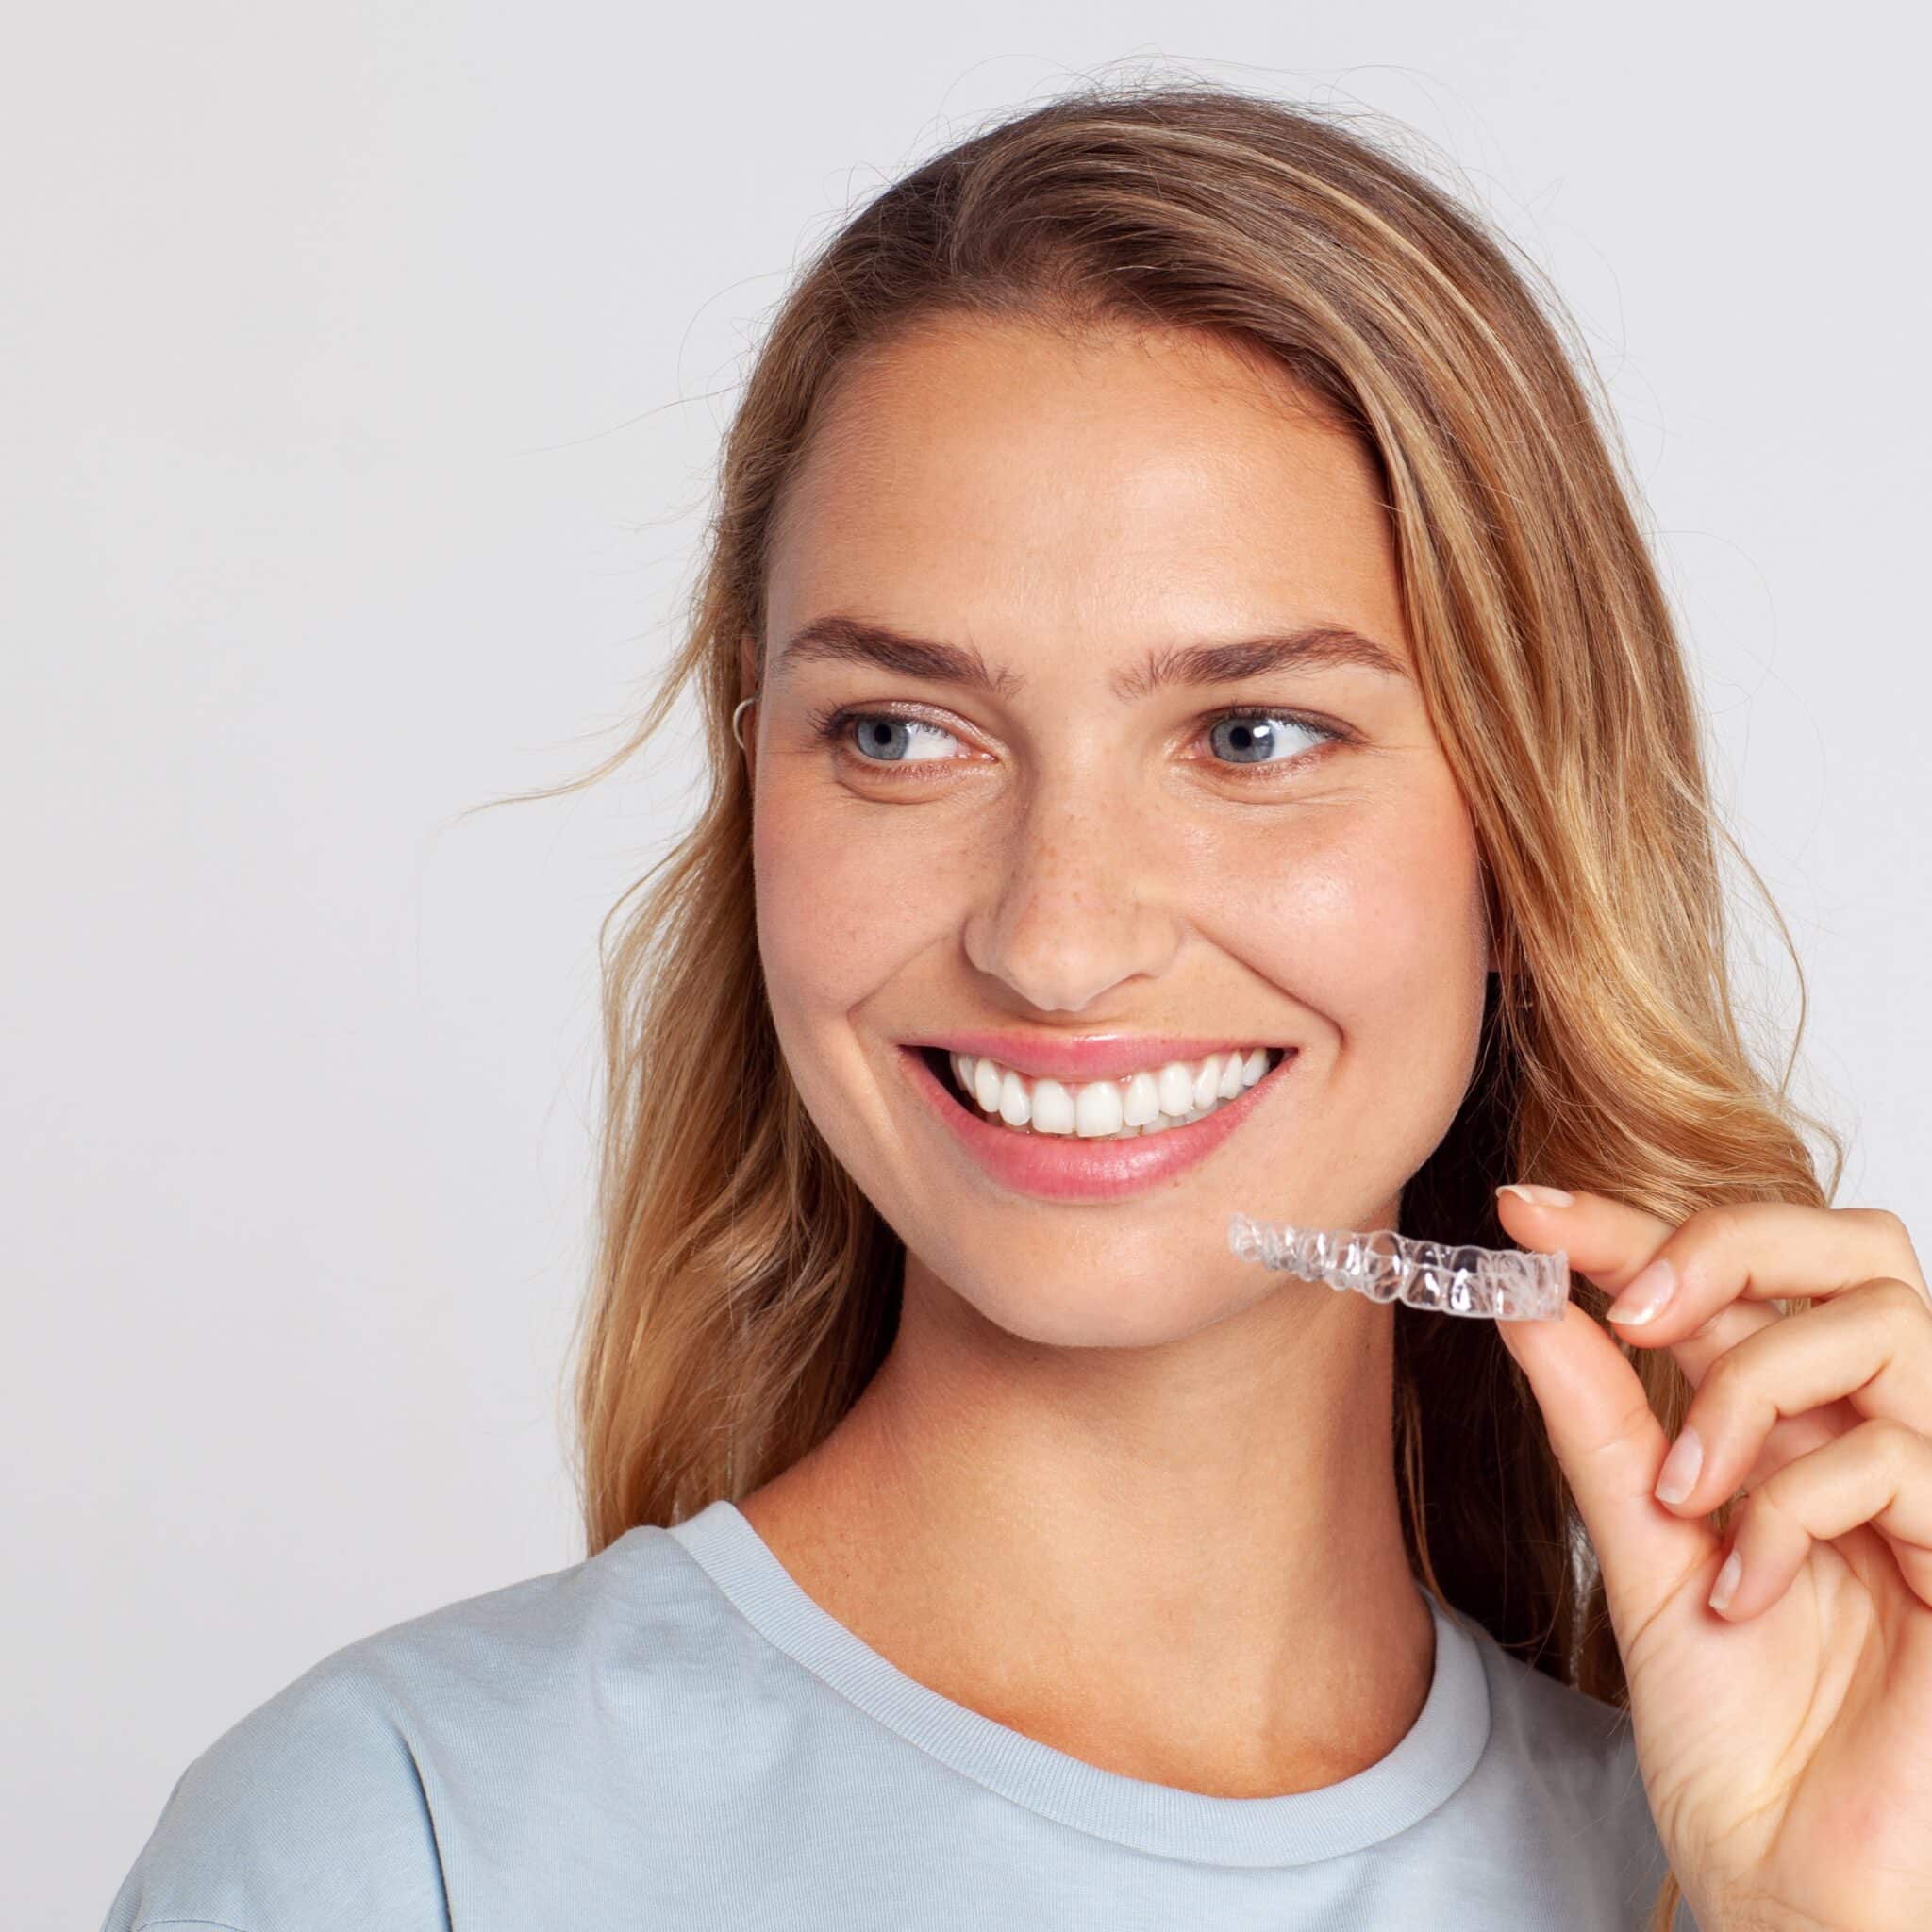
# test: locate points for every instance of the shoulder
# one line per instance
(321, 1806)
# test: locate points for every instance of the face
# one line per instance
(1101, 756)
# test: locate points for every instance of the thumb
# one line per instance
(1612, 1447)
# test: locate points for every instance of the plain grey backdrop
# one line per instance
(364, 366)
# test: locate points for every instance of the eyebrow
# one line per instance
(1317, 646)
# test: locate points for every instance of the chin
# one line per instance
(1121, 1311)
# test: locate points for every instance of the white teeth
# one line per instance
(1176, 1089)
(1053, 1107)
(1096, 1109)
(1148, 1102)
(1207, 1081)
(1016, 1104)
(986, 1084)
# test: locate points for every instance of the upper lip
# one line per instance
(1087, 1057)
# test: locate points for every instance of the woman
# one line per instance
(1194, 728)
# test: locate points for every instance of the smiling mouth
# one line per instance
(1126, 1110)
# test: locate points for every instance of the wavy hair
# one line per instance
(744, 1290)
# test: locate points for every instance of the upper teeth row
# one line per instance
(1170, 1095)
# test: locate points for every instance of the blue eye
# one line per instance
(1255, 738)
(889, 741)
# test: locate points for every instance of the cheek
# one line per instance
(1367, 911)
(1368, 914)
(846, 895)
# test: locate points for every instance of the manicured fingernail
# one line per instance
(1727, 1584)
(1642, 1298)
(1678, 1476)
(1537, 1196)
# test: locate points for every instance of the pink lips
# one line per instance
(1063, 1167)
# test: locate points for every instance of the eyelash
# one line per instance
(829, 725)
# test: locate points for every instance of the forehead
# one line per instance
(1020, 482)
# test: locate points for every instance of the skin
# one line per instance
(1113, 1486)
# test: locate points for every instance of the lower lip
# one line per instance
(1064, 1167)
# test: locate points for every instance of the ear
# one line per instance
(747, 665)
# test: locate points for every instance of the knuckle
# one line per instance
(1720, 1380)
(1637, 1425)
(1882, 1221)
(1896, 1446)
(1723, 1228)
(1720, 1224)
(1885, 1230)
(1778, 1496)
(1896, 1298)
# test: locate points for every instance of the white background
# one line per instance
(363, 369)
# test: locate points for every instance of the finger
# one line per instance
(1609, 1242)
(1610, 1444)
(1761, 1251)
(1719, 1269)
(1870, 1347)
(1880, 1474)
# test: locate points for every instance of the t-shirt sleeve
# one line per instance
(308, 1814)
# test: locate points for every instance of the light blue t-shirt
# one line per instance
(672, 1734)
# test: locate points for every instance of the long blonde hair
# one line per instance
(744, 1290)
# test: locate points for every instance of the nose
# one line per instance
(1079, 900)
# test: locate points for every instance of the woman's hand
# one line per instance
(1785, 1738)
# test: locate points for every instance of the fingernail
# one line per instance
(1678, 1476)
(1642, 1298)
(1725, 1587)
(1537, 1196)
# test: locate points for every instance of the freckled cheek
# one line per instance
(840, 907)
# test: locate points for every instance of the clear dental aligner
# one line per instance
(1508, 1284)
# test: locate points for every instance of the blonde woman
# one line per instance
(1193, 728)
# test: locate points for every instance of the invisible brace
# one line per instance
(1503, 1284)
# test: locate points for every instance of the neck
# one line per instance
(1182, 1563)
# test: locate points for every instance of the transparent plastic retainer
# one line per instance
(1505, 1283)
